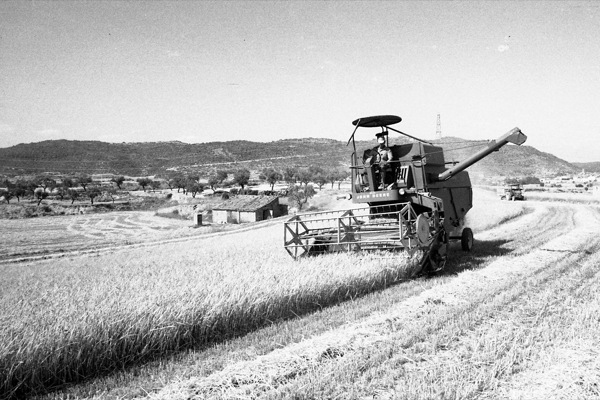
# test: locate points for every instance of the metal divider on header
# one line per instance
(389, 227)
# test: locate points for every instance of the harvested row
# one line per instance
(455, 341)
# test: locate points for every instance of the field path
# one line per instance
(486, 333)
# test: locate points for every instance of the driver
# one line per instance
(383, 156)
(380, 155)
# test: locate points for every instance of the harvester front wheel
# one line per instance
(434, 259)
(466, 239)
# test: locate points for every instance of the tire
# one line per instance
(466, 239)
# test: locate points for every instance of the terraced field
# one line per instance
(231, 316)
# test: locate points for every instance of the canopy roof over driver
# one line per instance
(379, 121)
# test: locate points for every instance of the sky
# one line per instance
(147, 71)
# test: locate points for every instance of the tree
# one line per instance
(318, 176)
(68, 182)
(222, 175)
(217, 178)
(61, 191)
(241, 177)
(530, 180)
(270, 176)
(73, 194)
(155, 185)
(31, 186)
(84, 181)
(338, 176)
(111, 192)
(143, 182)
(40, 194)
(194, 187)
(290, 174)
(299, 196)
(45, 182)
(342, 175)
(213, 181)
(304, 176)
(7, 194)
(178, 181)
(93, 193)
(333, 176)
(118, 181)
(7, 183)
(20, 190)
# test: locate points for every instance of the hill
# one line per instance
(589, 166)
(151, 158)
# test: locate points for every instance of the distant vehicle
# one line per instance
(512, 193)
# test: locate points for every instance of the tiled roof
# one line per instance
(245, 203)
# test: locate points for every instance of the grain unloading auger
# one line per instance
(412, 202)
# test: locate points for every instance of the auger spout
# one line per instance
(514, 136)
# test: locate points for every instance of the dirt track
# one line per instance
(544, 256)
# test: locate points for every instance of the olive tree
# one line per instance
(73, 194)
(270, 176)
(299, 196)
(143, 182)
(118, 180)
(241, 177)
(93, 193)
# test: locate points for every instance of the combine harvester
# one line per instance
(411, 203)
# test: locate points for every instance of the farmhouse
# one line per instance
(247, 208)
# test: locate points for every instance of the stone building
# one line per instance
(247, 208)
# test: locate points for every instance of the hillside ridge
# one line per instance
(152, 158)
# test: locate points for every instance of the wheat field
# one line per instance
(70, 319)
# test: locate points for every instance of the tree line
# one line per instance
(82, 186)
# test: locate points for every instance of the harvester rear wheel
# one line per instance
(466, 239)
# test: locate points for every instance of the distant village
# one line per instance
(583, 182)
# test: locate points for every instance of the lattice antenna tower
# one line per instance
(438, 130)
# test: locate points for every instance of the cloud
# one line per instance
(173, 54)
(502, 48)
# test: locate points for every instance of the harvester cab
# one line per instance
(412, 200)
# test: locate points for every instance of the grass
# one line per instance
(71, 319)
(92, 315)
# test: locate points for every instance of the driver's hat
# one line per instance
(381, 134)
